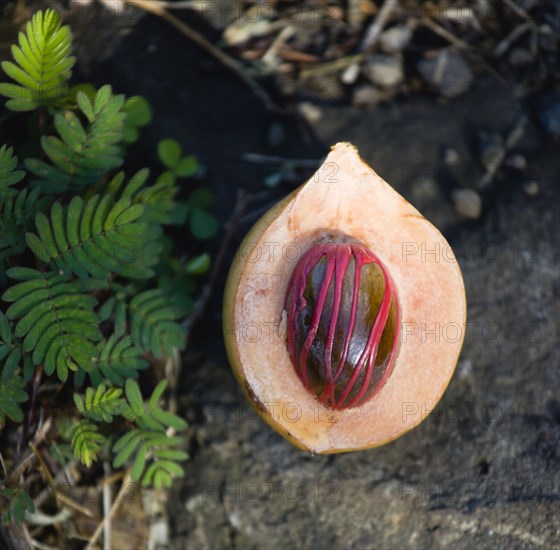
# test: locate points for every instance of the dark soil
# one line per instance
(483, 471)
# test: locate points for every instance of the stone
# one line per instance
(350, 74)
(395, 39)
(531, 188)
(310, 112)
(548, 38)
(424, 189)
(468, 203)
(517, 162)
(446, 72)
(385, 71)
(367, 96)
(451, 157)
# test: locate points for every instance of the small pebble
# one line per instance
(531, 188)
(548, 39)
(465, 369)
(350, 74)
(385, 71)
(451, 157)
(310, 112)
(159, 534)
(274, 180)
(366, 96)
(517, 162)
(447, 72)
(276, 134)
(424, 190)
(468, 203)
(195, 502)
(395, 39)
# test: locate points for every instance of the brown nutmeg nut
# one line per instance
(344, 311)
(343, 323)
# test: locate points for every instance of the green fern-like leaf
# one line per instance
(86, 441)
(166, 419)
(100, 404)
(12, 393)
(152, 446)
(161, 206)
(42, 63)
(55, 319)
(138, 114)
(18, 503)
(17, 215)
(10, 350)
(153, 323)
(94, 238)
(118, 359)
(82, 155)
(158, 199)
(22, 208)
(8, 174)
(12, 243)
(149, 442)
(146, 315)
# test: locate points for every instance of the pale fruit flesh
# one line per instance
(345, 195)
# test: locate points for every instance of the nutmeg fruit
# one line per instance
(344, 311)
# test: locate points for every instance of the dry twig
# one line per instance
(518, 10)
(107, 497)
(444, 33)
(40, 518)
(332, 66)
(495, 163)
(376, 28)
(271, 57)
(503, 46)
(114, 508)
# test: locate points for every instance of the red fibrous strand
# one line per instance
(321, 299)
(337, 259)
(341, 264)
(370, 352)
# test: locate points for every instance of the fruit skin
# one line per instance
(430, 288)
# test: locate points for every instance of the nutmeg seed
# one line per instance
(343, 325)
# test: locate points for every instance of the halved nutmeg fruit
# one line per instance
(344, 311)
